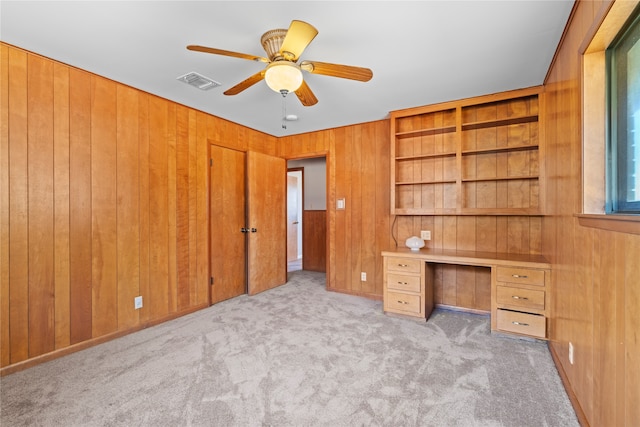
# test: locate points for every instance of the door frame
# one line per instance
(328, 202)
(301, 205)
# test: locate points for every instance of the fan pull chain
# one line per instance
(284, 108)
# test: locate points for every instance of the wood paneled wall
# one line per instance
(596, 272)
(470, 287)
(358, 168)
(358, 171)
(103, 197)
(314, 240)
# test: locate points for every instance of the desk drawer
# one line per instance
(397, 301)
(522, 323)
(403, 283)
(519, 297)
(525, 276)
(404, 264)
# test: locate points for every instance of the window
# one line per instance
(623, 95)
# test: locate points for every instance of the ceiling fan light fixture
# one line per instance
(283, 76)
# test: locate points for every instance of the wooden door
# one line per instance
(228, 215)
(292, 217)
(267, 242)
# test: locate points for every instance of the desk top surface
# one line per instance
(449, 256)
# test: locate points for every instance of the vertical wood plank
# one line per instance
(449, 285)
(61, 161)
(368, 206)
(202, 212)
(605, 340)
(632, 330)
(465, 286)
(314, 249)
(5, 337)
(158, 209)
(144, 211)
(103, 207)
(620, 264)
(182, 208)
(193, 208)
(128, 209)
(340, 232)
(171, 208)
(449, 232)
(18, 208)
(382, 194)
(356, 208)
(331, 210)
(348, 193)
(80, 244)
(466, 233)
(40, 202)
(483, 288)
(486, 234)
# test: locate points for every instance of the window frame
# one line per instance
(616, 146)
(598, 37)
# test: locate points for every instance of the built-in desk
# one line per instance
(520, 294)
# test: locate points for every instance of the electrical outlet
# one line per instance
(137, 302)
(571, 353)
(363, 276)
(425, 235)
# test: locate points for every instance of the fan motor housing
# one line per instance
(272, 41)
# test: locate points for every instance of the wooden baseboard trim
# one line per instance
(463, 309)
(25, 364)
(358, 294)
(582, 418)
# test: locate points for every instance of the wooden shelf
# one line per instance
(425, 132)
(419, 211)
(500, 211)
(426, 156)
(507, 156)
(500, 149)
(448, 181)
(500, 178)
(500, 122)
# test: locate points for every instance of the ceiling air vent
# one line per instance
(199, 81)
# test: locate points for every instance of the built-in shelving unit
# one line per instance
(477, 156)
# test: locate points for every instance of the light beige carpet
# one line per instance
(297, 355)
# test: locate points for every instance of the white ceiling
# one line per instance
(421, 52)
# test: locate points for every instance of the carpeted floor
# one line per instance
(297, 355)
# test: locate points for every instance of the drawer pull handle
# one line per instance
(517, 297)
(520, 323)
(403, 265)
(519, 276)
(402, 302)
(402, 283)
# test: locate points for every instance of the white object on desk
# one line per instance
(414, 243)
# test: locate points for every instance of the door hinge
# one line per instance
(211, 280)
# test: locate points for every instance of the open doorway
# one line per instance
(295, 203)
(306, 214)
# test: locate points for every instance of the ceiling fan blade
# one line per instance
(305, 95)
(227, 53)
(298, 37)
(248, 82)
(337, 70)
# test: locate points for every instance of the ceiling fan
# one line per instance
(283, 73)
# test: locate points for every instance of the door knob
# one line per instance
(295, 222)
(244, 230)
(253, 230)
